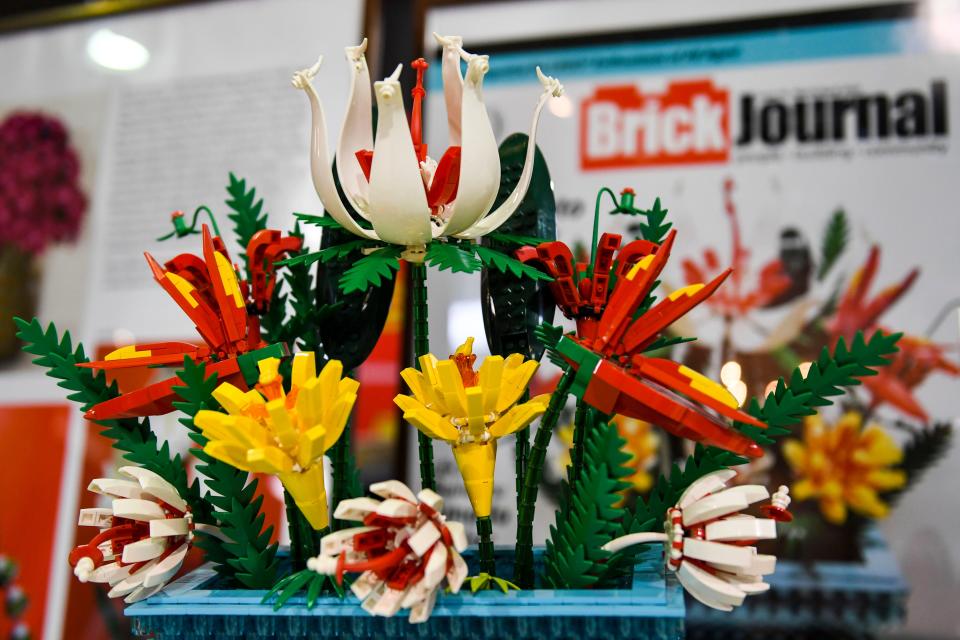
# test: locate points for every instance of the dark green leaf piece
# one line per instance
(927, 445)
(487, 582)
(519, 240)
(589, 515)
(314, 582)
(834, 242)
(371, 270)
(246, 217)
(655, 229)
(444, 256)
(248, 556)
(337, 252)
(504, 263)
(318, 220)
(131, 436)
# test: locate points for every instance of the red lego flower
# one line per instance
(209, 292)
(917, 357)
(613, 375)
(735, 301)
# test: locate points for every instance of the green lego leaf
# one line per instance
(246, 216)
(337, 252)
(371, 270)
(248, 556)
(655, 229)
(89, 387)
(522, 241)
(589, 515)
(318, 221)
(665, 341)
(442, 256)
(503, 263)
(549, 335)
(834, 242)
(782, 409)
(315, 584)
(485, 581)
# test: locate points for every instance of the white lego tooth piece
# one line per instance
(141, 550)
(165, 569)
(142, 593)
(370, 602)
(458, 535)
(99, 517)
(153, 485)
(389, 603)
(394, 508)
(709, 589)
(333, 543)
(111, 574)
(355, 509)
(137, 509)
(704, 486)
(421, 611)
(431, 498)
(722, 503)
(115, 487)
(363, 585)
(169, 527)
(393, 489)
(746, 528)
(436, 568)
(457, 572)
(131, 582)
(424, 538)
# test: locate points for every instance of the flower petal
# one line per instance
(357, 132)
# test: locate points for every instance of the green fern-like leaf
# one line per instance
(337, 252)
(248, 556)
(589, 515)
(131, 436)
(655, 229)
(927, 445)
(834, 242)
(319, 221)
(504, 263)
(246, 217)
(444, 256)
(520, 241)
(371, 270)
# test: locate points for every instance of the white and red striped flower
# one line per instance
(709, 539)
(404, 550)
(144, 535)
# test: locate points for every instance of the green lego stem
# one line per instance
(421, 347)
(522, 450)
(596, 225)
(581, 425)
(293, 527)
(485, 531)
(523, 560)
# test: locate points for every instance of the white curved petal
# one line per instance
(479, 178)
(726, 555)
(452, 83)
(393, 489)
(552, 88)
(357, 131)
(704, 486)
(166, 568)
(632, 539)
(708, 589)
(723, 502)
(398, 202)
(115, 487)
(747, 528)
(154, 485)
(320, 169)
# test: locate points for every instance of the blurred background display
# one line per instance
(813, 146)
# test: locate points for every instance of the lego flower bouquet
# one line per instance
(41, 204)
(270, 391)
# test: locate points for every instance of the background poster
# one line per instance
(855, 110)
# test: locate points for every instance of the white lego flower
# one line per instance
(706, 539)
(144, 535)
(404, 550)
(408, 197)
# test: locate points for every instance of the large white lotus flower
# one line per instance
(409, 198)
(144, 535)
(707, 539)
(405, 550)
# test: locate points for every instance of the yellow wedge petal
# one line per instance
(231, 454)
(491, 377)
(231, 398)
(309, 404)
(451, 387)
(517, 418)
(431, 423)
(311, 446)
(330, 381)
(336, 418)
(304, 368)
(515, 383)
(422, 390)
(269, 460)
(281, 425)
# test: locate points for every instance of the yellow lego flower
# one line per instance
(844, 466)
(284, 434)
(642, 443)
(471, 410)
